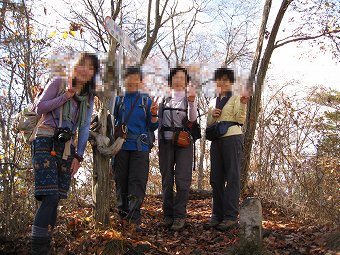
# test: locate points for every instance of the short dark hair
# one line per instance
(224, 71)
(174, 70)
(133, 70)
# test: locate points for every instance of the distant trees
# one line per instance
(326, 27)
(289, 162)
(23, 62)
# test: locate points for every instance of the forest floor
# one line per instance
(76, 234)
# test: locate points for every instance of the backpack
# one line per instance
(151, 134)
(27, 121)
(193, 128)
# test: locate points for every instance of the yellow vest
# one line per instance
(234, 111)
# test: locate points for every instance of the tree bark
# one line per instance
(101, 189)
(255, 102)
(200, 165)
(2, 14)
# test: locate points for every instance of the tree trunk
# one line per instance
(101, 187)
(101, 190)
(2, 14)
(255, 102)
(200, 165)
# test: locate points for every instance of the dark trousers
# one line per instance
(225, 157)
(131, 170)
(47, 213)
(175, 164)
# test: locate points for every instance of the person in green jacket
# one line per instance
(226, 151)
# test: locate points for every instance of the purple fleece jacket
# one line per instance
(50, 102)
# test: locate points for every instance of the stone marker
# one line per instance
(251, 222)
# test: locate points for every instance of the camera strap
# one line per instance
(61, 116)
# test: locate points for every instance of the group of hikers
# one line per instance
(57, 158)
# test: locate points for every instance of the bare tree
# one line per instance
(286, 161)
(22, 65)
(236, 33)
(261, 63)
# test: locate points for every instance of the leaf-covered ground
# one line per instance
(76, 234)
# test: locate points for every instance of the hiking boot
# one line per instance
(178, 224)
(212, 224)
(167, 222)
(226, 225)
(40, 245)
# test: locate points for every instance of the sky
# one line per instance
(290, 62)
(302, 61)
(311, 67)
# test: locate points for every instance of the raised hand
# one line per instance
(154, 106)
(191, 94)
(244, 97)
(69, 93)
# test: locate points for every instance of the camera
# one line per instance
(62, 135)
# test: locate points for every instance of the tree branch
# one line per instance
(305, 38)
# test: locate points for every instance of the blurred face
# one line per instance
(178, 81)
(133, 83)
(83, 72)
(223, 85)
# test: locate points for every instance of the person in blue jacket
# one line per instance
(131, 163)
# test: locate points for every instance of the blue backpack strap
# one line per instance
(145, 104)
(151, 134)
(120, 105)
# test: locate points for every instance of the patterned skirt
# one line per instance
(52, 174)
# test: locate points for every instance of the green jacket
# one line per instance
(234, 111)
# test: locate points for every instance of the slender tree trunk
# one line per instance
(2, 14)
(101, 188)
(255, 103)
(200, 165)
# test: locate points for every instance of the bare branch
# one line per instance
(305, 38)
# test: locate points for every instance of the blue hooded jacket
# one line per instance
(139, 122)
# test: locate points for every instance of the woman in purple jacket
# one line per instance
(64, 109)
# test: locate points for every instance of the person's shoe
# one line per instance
(167, 222)
(178, 224)
(226, 225)
(40, 245)
(212, 224)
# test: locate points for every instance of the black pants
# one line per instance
(175, 164)
(131, 170)
(225, 157)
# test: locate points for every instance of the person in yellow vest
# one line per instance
(228, 111)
